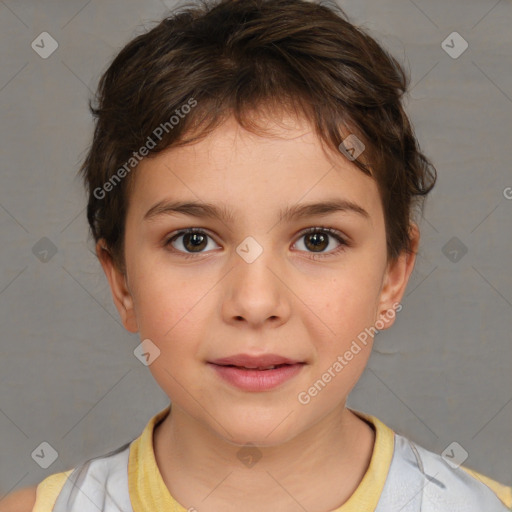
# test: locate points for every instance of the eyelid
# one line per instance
(342, 239)
(332, 231)
(186, 231)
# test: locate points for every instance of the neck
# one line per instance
(323, 464)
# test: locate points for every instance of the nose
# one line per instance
(256, 292)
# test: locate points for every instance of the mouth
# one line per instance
(258, 368)
(256, 374)
(262, 362)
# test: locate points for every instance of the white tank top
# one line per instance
(417, 481)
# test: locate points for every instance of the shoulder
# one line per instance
(504, 492)
(48, 490)
(22, 500)
(439, 484)
(39, 498)
(94, 478)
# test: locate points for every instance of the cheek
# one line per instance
(341, 307)
(165, 299)
(169, 317)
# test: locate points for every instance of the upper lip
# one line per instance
(254, 361)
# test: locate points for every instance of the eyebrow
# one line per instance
(298, 211)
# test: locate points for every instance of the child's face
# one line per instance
(216, 304)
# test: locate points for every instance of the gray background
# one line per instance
(68, 373)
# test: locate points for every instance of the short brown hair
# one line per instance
(239, 57)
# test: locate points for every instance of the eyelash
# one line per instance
(315, 256)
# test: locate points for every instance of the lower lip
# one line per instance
(257, 380)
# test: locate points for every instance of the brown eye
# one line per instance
(318, 239)
(317, 242)
(192, 241)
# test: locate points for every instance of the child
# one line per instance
(252, 181)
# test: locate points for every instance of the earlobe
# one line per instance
(118, 286)
(395, 280)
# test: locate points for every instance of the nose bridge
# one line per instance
(258, 262)
(256, 293)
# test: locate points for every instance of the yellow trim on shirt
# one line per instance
(503, 492)
(48, 490)
(367, 494)
(148, 491)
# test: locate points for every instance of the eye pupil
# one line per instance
(318, 240)
(197, 240)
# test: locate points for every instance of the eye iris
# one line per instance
(318, 240)
(197, 239)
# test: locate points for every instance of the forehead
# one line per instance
(241, 173)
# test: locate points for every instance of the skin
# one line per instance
(22, 500)
(215, 304)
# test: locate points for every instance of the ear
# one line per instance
(118, 286)
(395, 281)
